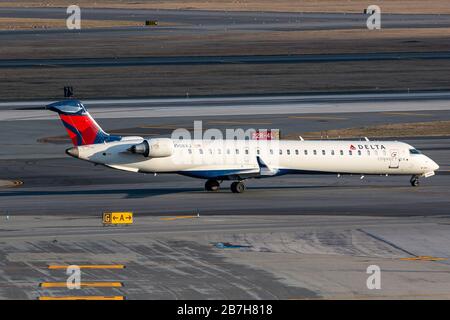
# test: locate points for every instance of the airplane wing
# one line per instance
(262, 170)
(227, 174)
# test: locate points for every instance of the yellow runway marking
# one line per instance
(423, 258)
(408, 114)
(316, 118)
(82, 284)
(93, 266)
(178, 217)
(83, 298)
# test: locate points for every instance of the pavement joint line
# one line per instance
(365, 297)
(94, 266)
(178, 217)
(317, 118)
(239, 122)
(168, 127)
(82, 298)
(93, 284)
(385, 241)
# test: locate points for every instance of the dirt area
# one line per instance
(413, 129)
(144, 81)
(391, 6)
(32, 23)
(231, 43)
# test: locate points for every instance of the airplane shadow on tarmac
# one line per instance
(152, 192)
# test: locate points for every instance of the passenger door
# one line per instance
(394, 159)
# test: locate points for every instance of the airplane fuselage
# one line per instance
(228, 159)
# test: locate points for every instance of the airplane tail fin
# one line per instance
(80, 126)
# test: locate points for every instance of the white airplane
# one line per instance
(237, 160)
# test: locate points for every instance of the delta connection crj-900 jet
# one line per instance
(236, 160)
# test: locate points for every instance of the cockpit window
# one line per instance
(414, 151)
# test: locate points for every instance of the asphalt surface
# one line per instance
(282, 257)
(305, 237)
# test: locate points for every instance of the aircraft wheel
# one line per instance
(238, 187)
(212, 185)
(414, 181)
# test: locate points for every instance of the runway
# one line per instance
(58, 181)
(237, 105)
(238, 20)
(252, 99)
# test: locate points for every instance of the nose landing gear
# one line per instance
(414, 181)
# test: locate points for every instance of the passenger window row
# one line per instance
(296, 151)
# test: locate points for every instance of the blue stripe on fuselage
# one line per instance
(211, 174)
(224, 174)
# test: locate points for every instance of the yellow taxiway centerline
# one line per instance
(93, 266)
(83, 298)
(168, 126)
(82, 284)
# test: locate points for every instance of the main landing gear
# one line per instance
(414, 181)
(214, 185)
(238, 187)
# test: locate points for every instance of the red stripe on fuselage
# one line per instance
(85, 126)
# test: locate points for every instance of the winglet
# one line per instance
(264, 169)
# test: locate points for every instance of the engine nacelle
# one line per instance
(154, 148)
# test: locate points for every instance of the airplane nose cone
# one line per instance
(73, 152)
(435, 166)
